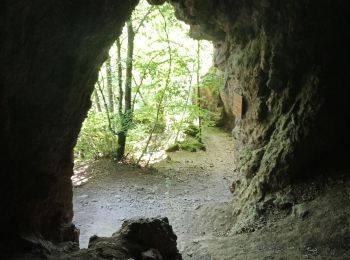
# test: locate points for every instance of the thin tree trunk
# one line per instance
(129, 67)
(138, 85)
(121, 145)
(126, 119)
(106, 107)
(185, 109)
(167, 83)
(120, 79)
(199, 92)
(97, 101)
(110, 85)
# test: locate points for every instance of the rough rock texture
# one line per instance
(50, 53)
(288, 60)
(138, 239)
(307, 220)
(142, 239)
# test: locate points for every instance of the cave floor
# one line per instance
(190, 188)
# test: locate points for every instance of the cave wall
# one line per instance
(288, 61)
(50, 54)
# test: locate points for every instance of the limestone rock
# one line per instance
(269, 56)
(137, 239)
(300, 211)
(284, 201)
(151, 254)
(149, 233)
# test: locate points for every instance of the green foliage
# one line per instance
(95, 140)
(192, 130)
(213, 80)
(190, 144)
(164, 72)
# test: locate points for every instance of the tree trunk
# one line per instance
(97, 101)
(167, 83)
(129, 66)
(121, 145)
(110, 85)
(120, 78)
(126, 119)
(199, 92)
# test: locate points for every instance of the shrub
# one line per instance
(95, 140)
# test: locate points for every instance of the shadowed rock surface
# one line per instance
(140, 239)
(286, 59)
(50, 56)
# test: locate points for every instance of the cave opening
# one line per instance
(156, 84)
(174, 159)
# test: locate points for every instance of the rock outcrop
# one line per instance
(286, 59)
(50, 55)
(146, 239)
(139, 239)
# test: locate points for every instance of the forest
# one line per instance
(149, 94)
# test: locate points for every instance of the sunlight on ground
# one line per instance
(159, 154)
(152, 158)
(79, 177)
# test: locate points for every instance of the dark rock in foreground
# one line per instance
(137, 239)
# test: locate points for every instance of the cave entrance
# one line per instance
(156, 84)
(158, 95)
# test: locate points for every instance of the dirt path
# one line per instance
(191, 189)
(178, 188)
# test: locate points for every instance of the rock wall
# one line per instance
(287, 59)
(50, 54)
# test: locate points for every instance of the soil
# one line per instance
(306, 220)
(107, 193)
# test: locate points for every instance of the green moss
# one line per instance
(192, 131)
(173, 148)
(189, 144)
(245, 157)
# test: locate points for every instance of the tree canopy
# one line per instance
(148, 91)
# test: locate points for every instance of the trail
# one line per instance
(179, 187)
(192, 190)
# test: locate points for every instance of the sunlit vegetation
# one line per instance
(148, 93)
